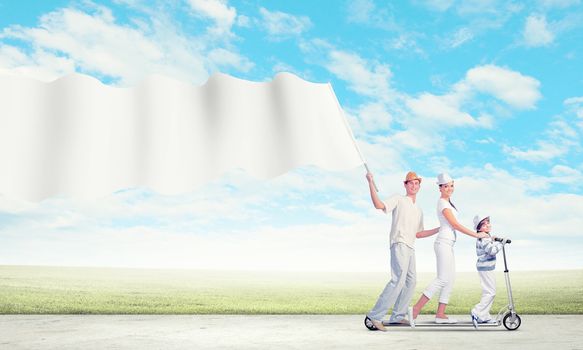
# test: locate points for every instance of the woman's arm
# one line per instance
(427, 233)
(459, 227)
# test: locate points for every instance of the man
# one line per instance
(407, 224)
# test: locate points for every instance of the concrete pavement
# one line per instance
(272, 332)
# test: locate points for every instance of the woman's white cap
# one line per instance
(443, 178)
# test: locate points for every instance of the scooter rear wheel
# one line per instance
(511, 322)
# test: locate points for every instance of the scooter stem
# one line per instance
(508, 286)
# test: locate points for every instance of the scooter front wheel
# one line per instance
(511, 321)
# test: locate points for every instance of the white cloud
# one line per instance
(509, 86)
(92, 42)
(438, 5)
(557, 141)
(419, 122)
(366, 12)
(486, 141)
(478, 17)
(225, 58)
(429, 117)
(40, 64)
(360, 11)
(438, 164)
(512, 87)
(459, 37)
(566, 175)
(243, 21)
(560, 129)
(60, 232)
(406, 42)
(364, 77)
(367, 77)
(218, 11)
(284, 67)
(418, 137)
(559, 3)
(545, 151)
(280, 25)
(440, 109)
(478, 7)
(574, 100)
(575, 104)
(536, 32)
(490, 13)
(96, 42)
(374, 117)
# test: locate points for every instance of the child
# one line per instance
(486, 248)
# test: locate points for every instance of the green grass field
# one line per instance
(69, 290)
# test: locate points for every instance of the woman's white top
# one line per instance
(446, 232)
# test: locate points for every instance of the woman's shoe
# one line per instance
(410, 315)
(448, 320)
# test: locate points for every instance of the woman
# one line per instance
(443, 246)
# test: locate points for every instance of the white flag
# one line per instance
(78, 137)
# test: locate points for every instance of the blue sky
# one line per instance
(489, 91)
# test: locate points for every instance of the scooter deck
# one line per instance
(459, 324)
(433, 324)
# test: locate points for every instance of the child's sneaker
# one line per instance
(474, 320)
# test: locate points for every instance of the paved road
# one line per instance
(272, 332)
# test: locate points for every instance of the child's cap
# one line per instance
(478, 220)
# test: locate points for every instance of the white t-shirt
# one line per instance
(407, 219)
(446, 231)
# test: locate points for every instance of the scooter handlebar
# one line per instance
(503, 240)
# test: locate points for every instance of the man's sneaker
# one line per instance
(374, 325)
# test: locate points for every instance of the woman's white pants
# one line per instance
(443, 283)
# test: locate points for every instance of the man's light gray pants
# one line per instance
(399, 291)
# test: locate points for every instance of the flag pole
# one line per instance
(351, 134)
